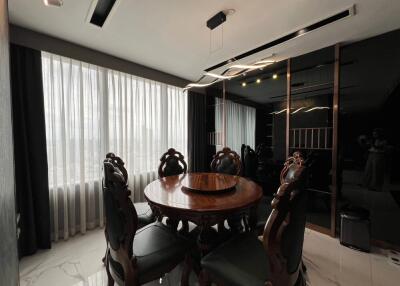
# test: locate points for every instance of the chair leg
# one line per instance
(105, 255)
(303, 266)
(104, 259)
(204, 279)
(301, 281)
(235, 223)
(110, 279)
(187, 268)
(185, 226)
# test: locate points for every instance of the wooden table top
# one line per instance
(170, 192)
(209, 182)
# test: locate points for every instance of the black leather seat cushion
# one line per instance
(241, 261)
(157, 249)
(145, 215)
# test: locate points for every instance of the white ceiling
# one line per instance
(172, 36)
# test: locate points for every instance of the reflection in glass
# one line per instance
(311, 127)
(369, 133)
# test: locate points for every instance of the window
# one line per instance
(240, 123)
(90, 111)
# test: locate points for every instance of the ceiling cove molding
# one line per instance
(35, 40)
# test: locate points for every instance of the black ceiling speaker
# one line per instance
(216, 20)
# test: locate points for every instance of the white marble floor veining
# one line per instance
(77, 262)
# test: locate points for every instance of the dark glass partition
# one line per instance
(311, 127)
(369, 133)
(346, 127)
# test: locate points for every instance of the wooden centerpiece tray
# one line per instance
(209, 182)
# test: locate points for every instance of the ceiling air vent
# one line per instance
(101, 10)
(300, 32)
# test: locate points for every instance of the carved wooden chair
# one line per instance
(226, 161)
(144, 212)
(172, 163)
(264, 207)
(135, 257)
(275, 258)
(249, 163)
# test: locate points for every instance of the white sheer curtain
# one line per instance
(240, 123)
(90, 111)
(145, 119)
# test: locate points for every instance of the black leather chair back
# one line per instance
(249, 162)
(284, 232)
(293, 236)
(172, 164)
(226, 161)
(121, 216)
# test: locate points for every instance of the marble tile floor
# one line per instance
(77, 262)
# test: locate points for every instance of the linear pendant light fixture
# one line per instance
(242, 68)
(238, 69)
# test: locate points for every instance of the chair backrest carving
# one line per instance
(117, 161)
(284, 231)
(226, 161)
(172, 163)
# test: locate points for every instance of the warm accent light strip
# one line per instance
(317, 108)
(301, 108)
(298, 109)
(278, 112)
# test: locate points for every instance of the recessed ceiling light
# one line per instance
(275, 76)
(258, 80)
(54, 3)
(229, 12)
(244, 84)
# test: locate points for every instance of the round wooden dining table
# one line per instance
(206, 199)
